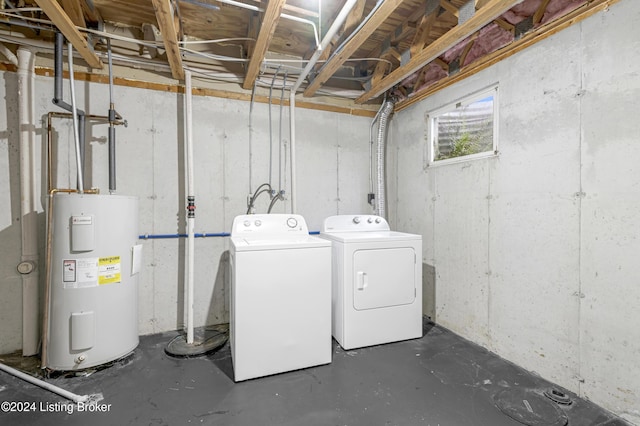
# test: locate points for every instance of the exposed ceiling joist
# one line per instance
(354, 17)
(486, 14)
(537, 17)
(505, 25)
(267, 29)
(62, 21)
(90, 11)
(73, 9)
(383, 12)
(446, 5)
(422, 35)
(167, 26)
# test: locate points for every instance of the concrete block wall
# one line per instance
(332, 163)
(535, 251)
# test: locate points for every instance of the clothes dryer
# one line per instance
(376, 281)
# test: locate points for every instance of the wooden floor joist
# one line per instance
(483, 16)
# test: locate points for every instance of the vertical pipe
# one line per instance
(284, 83)
(28, 214)
(292, 148)
(57, 67)
(75, 123)
(112, 128)
(191, 204)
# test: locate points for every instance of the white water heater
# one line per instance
(92, 312)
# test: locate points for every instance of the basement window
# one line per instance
(465, 129)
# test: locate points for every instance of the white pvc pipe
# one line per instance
(74, 111)
(28, 214)
(190, 196)
(337, 24)
(8, 54)
(292, 148)
(48, 386)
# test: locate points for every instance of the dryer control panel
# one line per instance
(355, 223)
(268, 225)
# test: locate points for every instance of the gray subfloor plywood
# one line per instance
(440, 379)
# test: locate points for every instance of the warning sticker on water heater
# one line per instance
(80, 273)
(109, 270)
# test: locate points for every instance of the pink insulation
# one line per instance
(432, 74)
(490, 38)
(558, 8)
(521, 11)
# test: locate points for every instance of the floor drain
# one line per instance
(558, 396)
(529, 407)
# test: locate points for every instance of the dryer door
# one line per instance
(383, 277)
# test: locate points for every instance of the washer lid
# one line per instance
(369, 236)
(255, 244)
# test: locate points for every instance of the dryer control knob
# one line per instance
(369, 220)
(356, 219)
(258, 223)
(247, 223)
(292, 222)
(377, 220)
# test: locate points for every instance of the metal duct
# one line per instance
(381, 200)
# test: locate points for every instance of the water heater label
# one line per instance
(69, 271)
(80, 273)
(109, 270)
(81, 220)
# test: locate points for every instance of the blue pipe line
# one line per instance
(196, 235)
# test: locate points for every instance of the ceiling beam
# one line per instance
(66, 26)
(329, 68)
(486, 14)
(167, 27)
(267, 29)
(446, 5)
(537, 17)
(422, 35)
(73, 9)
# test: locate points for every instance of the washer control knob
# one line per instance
(356, 220)
(257, 223)
(377, 220)
(247, 223)
(370, 220)
(292, 222)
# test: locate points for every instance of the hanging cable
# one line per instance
(252, 199)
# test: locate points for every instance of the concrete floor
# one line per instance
(440, 379)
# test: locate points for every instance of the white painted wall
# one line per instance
(332, 160)
(536, 251)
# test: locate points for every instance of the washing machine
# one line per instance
(280, 310)
(376, 281)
